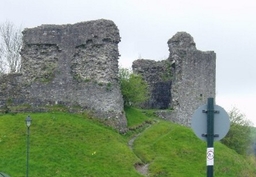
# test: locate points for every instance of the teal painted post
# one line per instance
(210, 137)
(28, 123)
(27, 152)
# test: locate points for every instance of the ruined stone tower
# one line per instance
(76, 66)
(71, 65)
(181, 83)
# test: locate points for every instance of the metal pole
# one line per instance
(27, 151)
(210, 137)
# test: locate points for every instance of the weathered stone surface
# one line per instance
(191, 73)
(71, 65)
(77, 66)
(158, 75)
(181, 41)
(194, 77)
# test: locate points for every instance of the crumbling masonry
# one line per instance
(181, 83)
(71, 65)
(76, 66)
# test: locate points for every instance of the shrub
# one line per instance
(134, 89)
(238, 137)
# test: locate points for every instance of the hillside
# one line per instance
(63, 144)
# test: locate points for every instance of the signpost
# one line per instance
(210, 123)
(3, 175)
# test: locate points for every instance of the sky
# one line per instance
(226, 27)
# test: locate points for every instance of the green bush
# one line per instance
(134, 89)
(238, 137)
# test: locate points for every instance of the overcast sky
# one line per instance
(226, 27)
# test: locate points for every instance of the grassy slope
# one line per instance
(173, 150)
(63, 145)
(73, 145)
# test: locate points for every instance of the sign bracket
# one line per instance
(205, 135)
(214, 111)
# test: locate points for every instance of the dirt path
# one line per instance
(140, 167)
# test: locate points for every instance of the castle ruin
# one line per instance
(76, 66)
(71, 65)
(181, 83)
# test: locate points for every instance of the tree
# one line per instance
(10, 45)
(239, 135)
(134, 89)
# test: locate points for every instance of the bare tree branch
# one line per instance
(10, 45)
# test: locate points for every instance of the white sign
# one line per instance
(210, 156)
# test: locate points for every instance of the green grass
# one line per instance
(63, 144)
(173, 150)
(137, 117)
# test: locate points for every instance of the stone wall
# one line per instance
(192, 76)
(71, 65)
(76, 66)
(158, 75)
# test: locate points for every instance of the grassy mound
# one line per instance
(173, 150)
(63, 144)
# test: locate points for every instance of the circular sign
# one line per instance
(221, 122)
